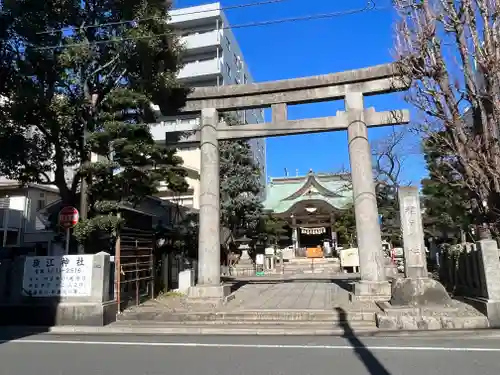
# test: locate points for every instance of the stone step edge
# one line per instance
(118, 329)
(289, 323)
(191, 318)
(210, 330)
(239, 313)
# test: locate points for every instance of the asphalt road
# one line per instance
(246, 355)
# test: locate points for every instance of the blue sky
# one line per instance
(315, 47)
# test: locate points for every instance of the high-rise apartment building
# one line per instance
(212, 58)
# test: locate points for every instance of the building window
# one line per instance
(228, 70)
(40, 204)
(245, 78)
(4, 202)
(11, 238)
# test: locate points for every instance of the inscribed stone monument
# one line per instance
(416, 289)
(413, 233)
(58, 276)
(60, 290)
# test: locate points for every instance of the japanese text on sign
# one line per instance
(58, 276)
(410, 204)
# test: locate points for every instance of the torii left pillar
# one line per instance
(209, 288)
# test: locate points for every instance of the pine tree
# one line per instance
(81, 79)
(240, 186)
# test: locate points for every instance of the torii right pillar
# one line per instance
(373, 285)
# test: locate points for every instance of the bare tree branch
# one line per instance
(449, 51)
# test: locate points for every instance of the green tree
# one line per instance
(240, 186)
(345, 226)
(81, 80)
(447, 206)
(271, 230)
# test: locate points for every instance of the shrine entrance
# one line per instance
(351, 86)
(310, 204)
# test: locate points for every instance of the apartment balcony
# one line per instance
(196, 15)
(13, 218)
(201, 69)
(200, 42)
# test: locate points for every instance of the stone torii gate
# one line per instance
(351, 86)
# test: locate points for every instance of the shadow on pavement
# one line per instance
(22, 279)
(15, 333)
(346, 284)
(366, 357)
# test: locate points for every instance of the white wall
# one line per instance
(22, 214)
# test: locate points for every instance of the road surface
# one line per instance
(49, 354)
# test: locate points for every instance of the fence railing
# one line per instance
(460, 270)
(134, 273)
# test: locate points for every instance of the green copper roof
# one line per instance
(284, 193)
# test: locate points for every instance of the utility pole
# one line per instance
(83, 183)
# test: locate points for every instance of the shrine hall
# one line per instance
(309, 204)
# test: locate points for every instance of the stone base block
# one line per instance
(371, 291)
(391, 271)
(58, 314)
(209, 293)
(418, 292)
(391, 310)
(428, 322)
(243, 269)
(491, 309)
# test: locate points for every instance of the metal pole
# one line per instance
(5, 226)
(84, 184)
(67, 242)
(118, 273)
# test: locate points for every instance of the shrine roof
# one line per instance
(284, 192)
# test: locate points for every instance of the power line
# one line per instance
(370, 5)
(231, 7)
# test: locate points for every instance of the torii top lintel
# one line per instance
(379, 79)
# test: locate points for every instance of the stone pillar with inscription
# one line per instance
(416, 288)
(415, 261)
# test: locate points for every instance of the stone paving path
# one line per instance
(289, 296)
(304, 296)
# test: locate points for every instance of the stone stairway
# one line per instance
(284, 308)
(270, 322)
(307, 266)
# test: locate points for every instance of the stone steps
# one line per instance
(267, 328)
(263, 323)
(251, 317)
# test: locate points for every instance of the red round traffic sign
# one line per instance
(68, 217)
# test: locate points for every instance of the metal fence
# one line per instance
(134, 262)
